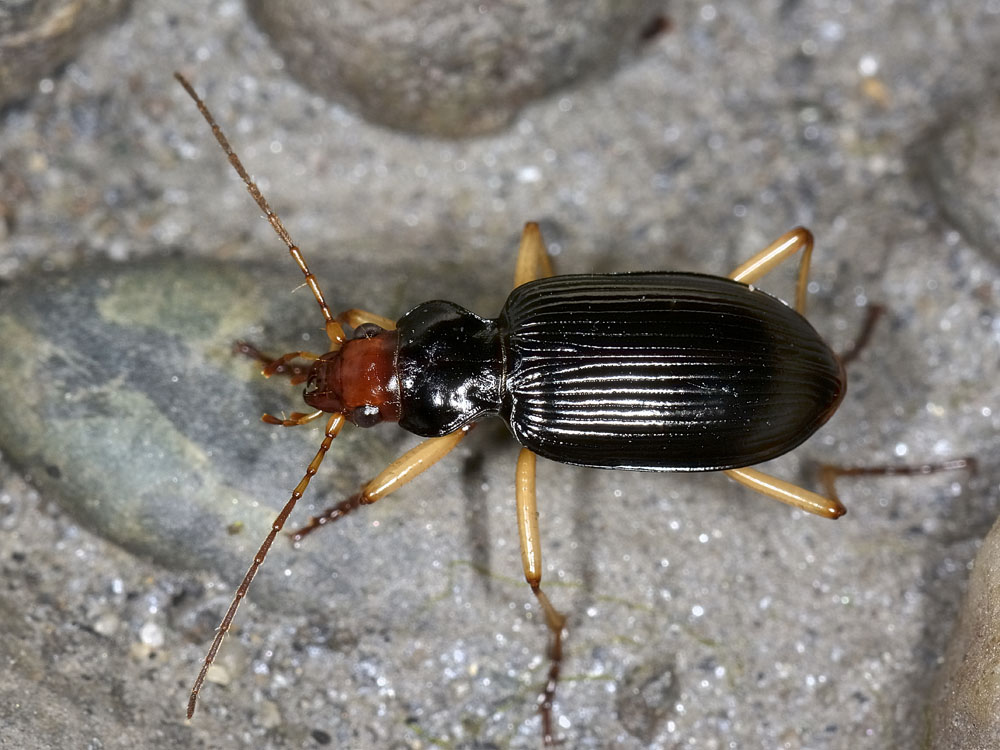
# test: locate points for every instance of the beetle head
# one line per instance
(359, 379)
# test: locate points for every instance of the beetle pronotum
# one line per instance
(639, 371)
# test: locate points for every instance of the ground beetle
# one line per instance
(640, 371)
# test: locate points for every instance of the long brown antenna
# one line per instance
(332, 428)
(333, 328)
(333, 425)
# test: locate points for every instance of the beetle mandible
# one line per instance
(639, 371)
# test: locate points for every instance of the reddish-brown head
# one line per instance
(359, 379)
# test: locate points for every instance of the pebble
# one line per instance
(965, 712)
(448, 67)
(134, 413)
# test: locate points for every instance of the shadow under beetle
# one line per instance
(639, 371)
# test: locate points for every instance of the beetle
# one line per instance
(658, 371)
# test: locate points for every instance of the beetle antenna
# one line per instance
(333, 426)
(333, 328)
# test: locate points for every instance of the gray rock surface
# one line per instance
(37, 36)
(700, 615)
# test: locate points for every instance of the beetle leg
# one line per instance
(828, 473)
(531, 559)
(295, 419)
(864, 336)
(533, 260)
(410, 465)
(787, 492)
(776, 253)
(355, 317)
(281, 366)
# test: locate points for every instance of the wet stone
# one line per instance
(123, 400)
(446, 67)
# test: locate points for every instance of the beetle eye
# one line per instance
(367, 331)
(366, 416)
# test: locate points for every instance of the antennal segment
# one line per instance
(332, 429)
(333, 328)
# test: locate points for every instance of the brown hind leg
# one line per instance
(828, 473)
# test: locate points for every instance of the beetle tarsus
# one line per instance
(828, 473)
(872, 315)
(548, 695)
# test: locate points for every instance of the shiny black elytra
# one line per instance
(644, 371)
(641, 371)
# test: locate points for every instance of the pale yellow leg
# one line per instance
(533, 260)
(773, 255)
(531, 560)
(407, 467)
(757, 267)
(787, 492)
(355, 317)
(412, 464)
(533, 263)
